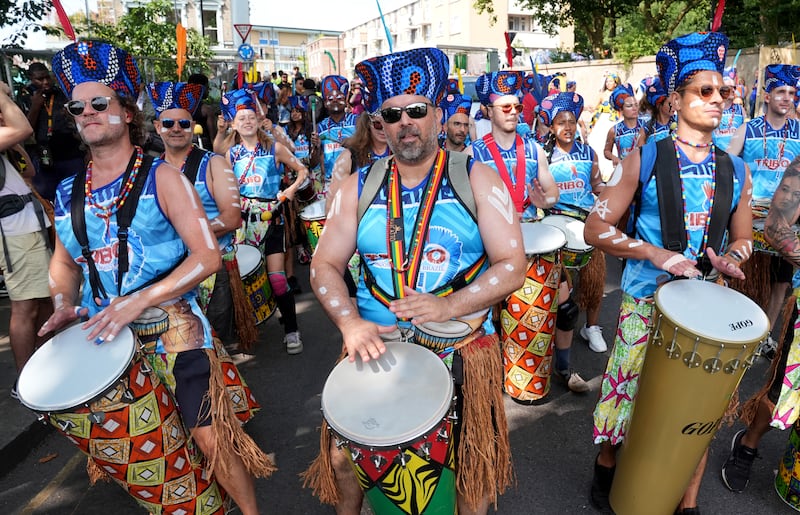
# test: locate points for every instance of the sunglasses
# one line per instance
(706, 91)
(416, 111)
(76, 107)
(507, 108)
(377, 125)
(168, 123)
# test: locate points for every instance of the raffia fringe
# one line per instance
(592, 281)
(230, 438)
(95, 472)
(242, 310)
(756, 285)
(484, 452)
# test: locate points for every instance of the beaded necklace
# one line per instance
(781, 145)
(675, 140)
(107, 211)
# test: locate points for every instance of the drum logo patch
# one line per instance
(735, 326)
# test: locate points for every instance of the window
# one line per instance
(210, 26)
(440, 29)
(426, 33)
(455, 24)
(412, 36)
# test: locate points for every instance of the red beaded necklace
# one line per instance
(107, 211)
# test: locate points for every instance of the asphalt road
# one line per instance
(551, 442)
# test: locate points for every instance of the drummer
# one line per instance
(406, 106)
(170, 248)
(574, 168)
(259, 163)
(174, 104)
(690, 68)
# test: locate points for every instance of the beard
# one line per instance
(415, 151)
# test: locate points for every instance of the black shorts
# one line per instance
(219, 311)
(192, 373)
(780, 271)
(275, 242)
(777, 383)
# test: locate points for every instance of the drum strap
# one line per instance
(191, 166)
(124, 217)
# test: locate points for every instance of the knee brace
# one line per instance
(278, 282)
(567, 315)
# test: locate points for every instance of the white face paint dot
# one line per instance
(345, 312)
(551, 200)
(313, 273)
(509, 267)
(323, 290)
(513, 244)
(493, 281)
(474, 288)
(334, 303)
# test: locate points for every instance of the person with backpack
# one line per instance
(713, 194)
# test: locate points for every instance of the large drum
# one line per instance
(787, 481)
(576, 253)
(313, 217)
(256, 281)
(528, 317)
(392, 416)
(107, 400)
(702, 340)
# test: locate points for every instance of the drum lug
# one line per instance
(378, 461)
(42, 418)
(673, 350)
(442, 435)
(692, 359)
(402, 459)
(424, 451)
(97, 417)
(65, 425)
(144, 367)
(340, 443)
(355, 454)
(732, 366)
(712, 365)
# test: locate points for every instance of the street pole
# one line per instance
(202, 21)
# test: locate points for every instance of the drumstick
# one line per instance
(267, 215)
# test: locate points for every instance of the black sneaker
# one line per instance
(736, 471)
(688, 511)
(294, 286)
(601, 486)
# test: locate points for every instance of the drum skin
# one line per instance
(253, 271)
(576, 253)
(703, 339)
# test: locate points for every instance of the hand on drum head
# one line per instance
(725, 264)
(421, 307)
(116, 314)
(674, 263)
(363, 338)
(61, 317)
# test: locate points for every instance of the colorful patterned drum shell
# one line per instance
(392, 415)
(576, 253)
(527, 326)
(313, 218)
(109, 402)
(539, 238)
(437, 336)
(787, 481)
(702, 340)
(256, 281)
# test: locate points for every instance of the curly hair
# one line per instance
(136, 128)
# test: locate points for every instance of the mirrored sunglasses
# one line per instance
(76, 107)
(168, 123)
(507, 108)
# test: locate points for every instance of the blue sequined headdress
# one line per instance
(777, 75)
(421, 71)
(175, 95)
(682, 57)
(496, 84)
(95, 61)
(453, 103)
(333, 83)
(299, 102)
(618, 96)
(654, 91)
(237, 100)
(554, 104)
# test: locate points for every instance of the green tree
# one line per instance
(25, 15)
(761, 22)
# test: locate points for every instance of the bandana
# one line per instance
(333, 83)
(421, 71)
(619, 95)
(490, 86)
(777, 75)
(94, 61)
(175, 95)
(453, 103)
(237, 100)
(299, 102)
(682, 57)
(554, 104)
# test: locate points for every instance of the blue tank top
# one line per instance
(301, 146)
(331, 135)
(453, 245)
(154, 246)
(640, 277)
(481, 153)
(732, 119)
(573, 174)
(259, 175)
(207, 198)
(782, 145)
(625, 138)
(660, 131)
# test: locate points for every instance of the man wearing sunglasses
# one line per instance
(175, 104)
(520, 162)
(690, 69)
(379, 220)
(338, 126)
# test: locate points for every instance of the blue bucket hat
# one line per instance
(95, 61)
(175, 95)
(681, 58)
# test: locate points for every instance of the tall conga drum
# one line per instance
(703, 338)
(528, 316)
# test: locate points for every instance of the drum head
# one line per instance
(447, 329)
(68, 370)
(389, 401)
(248, 258)
(541, 239)
(314, 211)
(572, 228)
(712, 311)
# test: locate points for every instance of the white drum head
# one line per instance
(248, 258)
(389, 401)
(314, 211)
(447, 329)
(541, 239)
(712, 311)
(572, 228)
(68, 370)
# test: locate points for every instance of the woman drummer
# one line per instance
(628, 134)
(259, 163)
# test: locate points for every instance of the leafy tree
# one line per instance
(761, 22)
(25, 15)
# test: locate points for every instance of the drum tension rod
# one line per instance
(714, 365)
(692, 359)
(424, 451)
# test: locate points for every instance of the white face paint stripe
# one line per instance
(345, 312)
(217, 222)
(622, 237)
(500, 199)
(334, 303)
(551, 200)
(190, 190)
(204, 228)
(696, 103)
(474, 288)
(58, 301)
(493, 281)
(509, 267)
(50, 281)
(313, 273)
(611, 232)
(616, 176)
(114, 119)
(634, 244)
(513, 243)
(191, 277)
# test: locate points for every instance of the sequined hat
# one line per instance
(654, 91)
(777, 75)
(497, 84)
(333, 83)
(175, 95)
(299, 102)
(620, 93)
(453, 103)
(682, 57)
(264, 91)
(554, 104)
(237, 100)
(452, 86)
(95, 61)
(421, 71)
